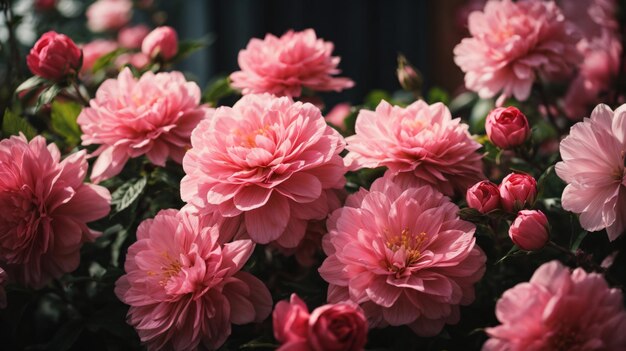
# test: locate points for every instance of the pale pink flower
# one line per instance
(593, 167)
(132, 37)
(559, 310)
(404, 255)
(45, 207)
(592, 17)
(94, 50)
(161, 42)
(153, 115)
(104, 15)
(331, 327)
(269, 160)
(596, 74)
(284, 66)
(184, 288)
(420, 139)
(138, 59)
(511, 43)
(338, 114)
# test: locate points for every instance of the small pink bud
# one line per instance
(507, 127)
(483, 196)
(529, 230)
(162, 41)
(517, 190)
(54, 56)
(408, 76)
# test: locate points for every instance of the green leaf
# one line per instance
(462, 101)
(63, 119)
(188, 47)
(479, 115)
(48, 95)
(470, 214)
(375, 96)
(105, 60)
(30, 83)
(579, 239)
(437, 94)
(128, 193)
(13, 124)
(216, 90)
(512, 252)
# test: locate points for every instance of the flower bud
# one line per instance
(517, 190)
(507, 127)
(54, 57)
(408, 76)
(162, 41)
(529, 230)
(484, 196)
(340, 326)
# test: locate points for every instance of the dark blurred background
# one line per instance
(368, 35)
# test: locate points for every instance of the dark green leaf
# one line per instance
(217, 89)
(30, 83)
(512, 252)
(128, 193)
(462, 102)
(13, 124)
(105, 60)
(479, 114)
(437, 94)
(63, 119)
(470, 214)
(188, 47)
(579, 239)
(67, 335)
(48, 95)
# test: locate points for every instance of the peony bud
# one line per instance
(54, 56)
(105, 15)
(291, 320)
(483, 196)
(529, 230)
(517, 190)
(162, 41)
(507, 127)
(132, 37)
(337, 327)
(409, 78)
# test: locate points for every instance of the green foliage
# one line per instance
(47, 95)
(13, 124)
(217, 89)
(437, 94)
(63, 121)
(127, 194)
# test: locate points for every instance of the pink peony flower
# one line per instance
(138, 60)
(54, 56)
(511, 43)
(592, 17)
(338, 114)
(153, 115)
(162, 42)
(132, 37)
(94, 50)
(404, 255)
(269, 160)
(184, 288)
(517, 191)
(332, 327)
(593, 167)
(529, 231)
(507, 127)
(421, 139)
(483, 196)
(45, 207)
(104, 15)
(3, 294)
(284, 66)
(596, 75)
(559, 310)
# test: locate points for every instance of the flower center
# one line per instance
(249, 139)
(170, 268)
(565, 339)
(409, 242)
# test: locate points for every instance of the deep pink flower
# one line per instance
(45, 207)
(284, 66)
(153, 115)
(559, 310)
(132, 37)
(483, 196)
(94, 50)
(511, 43)
(184, 288)
(104, 15)
(162, 42)
(529, 230)
(420, 139)
(404, 255)
(593, 167)
(269, 160)
(54, 56)
(507, 127)
(596, 74)
(331, 327)
(517, 191)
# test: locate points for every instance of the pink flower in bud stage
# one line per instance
(507, 127)
(161, 42)
(517, 190)
(483, 196)
(529, 231)
(54, 56)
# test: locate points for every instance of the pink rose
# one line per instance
(483, 196)
(105, 15)
(162, 41)
(517, 190)
(529, 230)
(132, 37)
(339, 327)
(507, 127)
(54, 56)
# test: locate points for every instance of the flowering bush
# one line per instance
(140, 211)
